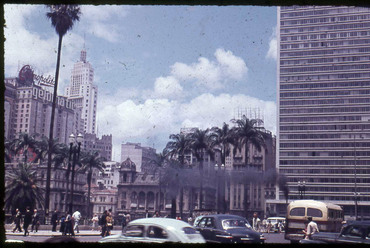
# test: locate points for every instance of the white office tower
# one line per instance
(324, 105)
(83, 92)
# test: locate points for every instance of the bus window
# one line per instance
(313, 212)
(297, 212)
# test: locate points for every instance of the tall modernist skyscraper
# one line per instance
(83, 92)
(324, 104)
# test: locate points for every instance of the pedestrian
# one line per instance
(109, 224)
(54, 220)
(17, 220)
(69, 225)
(76, 218)
(256, 222)
(123, 221)
(27, 221)
(147, 215)
(103, 222)
(62, 224)
(94, 221)
(35, 221)
(311, 228)
(269, 226)
(156, 214)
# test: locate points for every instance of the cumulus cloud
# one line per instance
(212, 74)
(167, 87)
(272, 52)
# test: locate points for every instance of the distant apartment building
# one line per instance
(142, 156)
(83, 93)
(324, 105)
(103, 145)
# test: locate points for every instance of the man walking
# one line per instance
(17, 220)
(27, 221)
(256, 222)
(54, 220)
(76, 217)
(35, 221)
(311, 228)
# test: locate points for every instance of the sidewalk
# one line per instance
(49, 233)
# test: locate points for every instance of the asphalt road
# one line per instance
(272, 238)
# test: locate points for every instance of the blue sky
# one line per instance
(157, 68)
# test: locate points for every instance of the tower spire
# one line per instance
(83, 53)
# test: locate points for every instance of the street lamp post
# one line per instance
(75, 152)
(301, 189)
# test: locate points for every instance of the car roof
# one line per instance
(165, 222)
(224, 216)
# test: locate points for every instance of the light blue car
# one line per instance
(156, 230)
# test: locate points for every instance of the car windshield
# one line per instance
(233, 223)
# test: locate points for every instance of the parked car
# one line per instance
(224, 228)
(197, 219)
(352, 233)
(156, 230)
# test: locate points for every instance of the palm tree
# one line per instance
(22, 188)
(24, 143)
(62, 19)
(90, 161)
(200, 144)
(248, 133)
(178, 147)
(159, 162)
(223, 139)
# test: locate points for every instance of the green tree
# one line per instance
(90, 161)
(159, 163)
(62, 19)
(24, 143)
(177, 148)
(22, 189)
(247, 133)
(200, 145)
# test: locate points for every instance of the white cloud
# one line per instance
(272, 52)
(212, 74)
(97, 21)
(167, 87)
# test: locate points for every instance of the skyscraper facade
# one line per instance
(323, 137)
(83, 92)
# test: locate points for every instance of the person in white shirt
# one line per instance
(76, 217)
(311, 228)
(256, 222)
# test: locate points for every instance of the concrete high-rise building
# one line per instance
(324, 105)
(83, 92)
(103, 145)
(140, 155)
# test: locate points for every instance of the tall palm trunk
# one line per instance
(51, 133)
(89, 177)
(245, 183)
(181, 201)
(201, 183)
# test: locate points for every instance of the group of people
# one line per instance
(106, 223)
(69, 223)
(266, 225)
(29, 218)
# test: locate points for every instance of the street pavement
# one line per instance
(94, 236)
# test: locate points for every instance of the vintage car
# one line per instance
(352, 233)
(224, 228)
(156, 230)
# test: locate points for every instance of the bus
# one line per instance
(328, 216)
